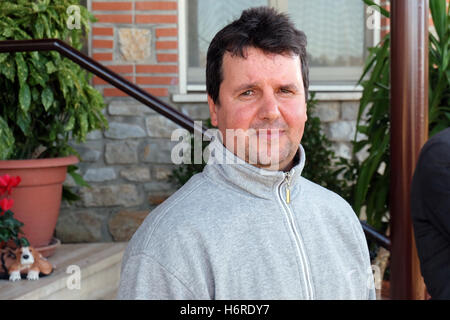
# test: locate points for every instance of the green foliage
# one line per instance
(45, 99)
(182, 173)
(322, 166)
(372, 184)
(10, 229)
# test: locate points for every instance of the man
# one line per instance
(430, 210)
(252, 227)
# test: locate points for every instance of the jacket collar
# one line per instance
(225, 167)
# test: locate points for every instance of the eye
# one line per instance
(286, 91)
(247, 93)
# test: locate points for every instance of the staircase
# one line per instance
(81, 271)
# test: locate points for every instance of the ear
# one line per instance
(36, 254)
(212, 111)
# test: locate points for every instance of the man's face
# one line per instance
(262, 95)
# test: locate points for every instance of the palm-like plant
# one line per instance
(372, 184)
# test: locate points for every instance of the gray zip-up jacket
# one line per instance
(231, 233)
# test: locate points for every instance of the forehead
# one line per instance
(257, 64)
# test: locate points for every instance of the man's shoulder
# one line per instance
(318, 192)
(437, 148)
(327, 201)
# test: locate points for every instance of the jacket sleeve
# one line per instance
(143, 278)
(430, 212)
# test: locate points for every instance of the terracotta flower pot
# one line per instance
(37, 198)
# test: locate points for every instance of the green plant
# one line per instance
(45, 99)
(372, 183)
(320, 164)
(10, 228)
(182, 173)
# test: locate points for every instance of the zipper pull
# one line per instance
(288, 191)
(288, 195)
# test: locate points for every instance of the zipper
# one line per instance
(288, 190)
(299, 244)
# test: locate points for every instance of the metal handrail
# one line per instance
(134, 91)
(375, 235)
(102, 72)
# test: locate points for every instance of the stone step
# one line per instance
(99, 265)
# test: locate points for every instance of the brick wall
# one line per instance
(137, 39)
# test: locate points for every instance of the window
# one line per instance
(336, 31)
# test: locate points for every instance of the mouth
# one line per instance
(270, 133)
(26, 262)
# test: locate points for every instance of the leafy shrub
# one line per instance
(45, 99)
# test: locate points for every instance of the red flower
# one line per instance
(4, 181)
(6, 204)
(7, 183)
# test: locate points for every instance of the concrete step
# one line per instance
(96, 265)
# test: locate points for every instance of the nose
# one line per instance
(25, 256)
(269, 109)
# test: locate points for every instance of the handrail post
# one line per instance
(409, 131)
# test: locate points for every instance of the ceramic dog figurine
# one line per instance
(29, 261)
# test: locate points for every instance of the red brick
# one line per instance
(96, 80)
(166, 32)
(163, 45)
(167, 57)
(157, 80)
(97, 31)
(108, 44)
(113, 92)
(112, 6)
(156, 5)
(104, 56)
(383, 33)
(159, 92)
(99, 81)
(122, 69)
(152, 18)
(114, 18)
(156, 69)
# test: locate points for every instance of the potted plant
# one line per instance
(45, 102)
(10, 228)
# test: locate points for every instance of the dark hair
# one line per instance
(263, 28)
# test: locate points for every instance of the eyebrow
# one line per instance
(291, 86)
(245, 86)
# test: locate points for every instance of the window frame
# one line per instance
(346, 83)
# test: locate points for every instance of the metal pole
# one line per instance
(409, 131)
